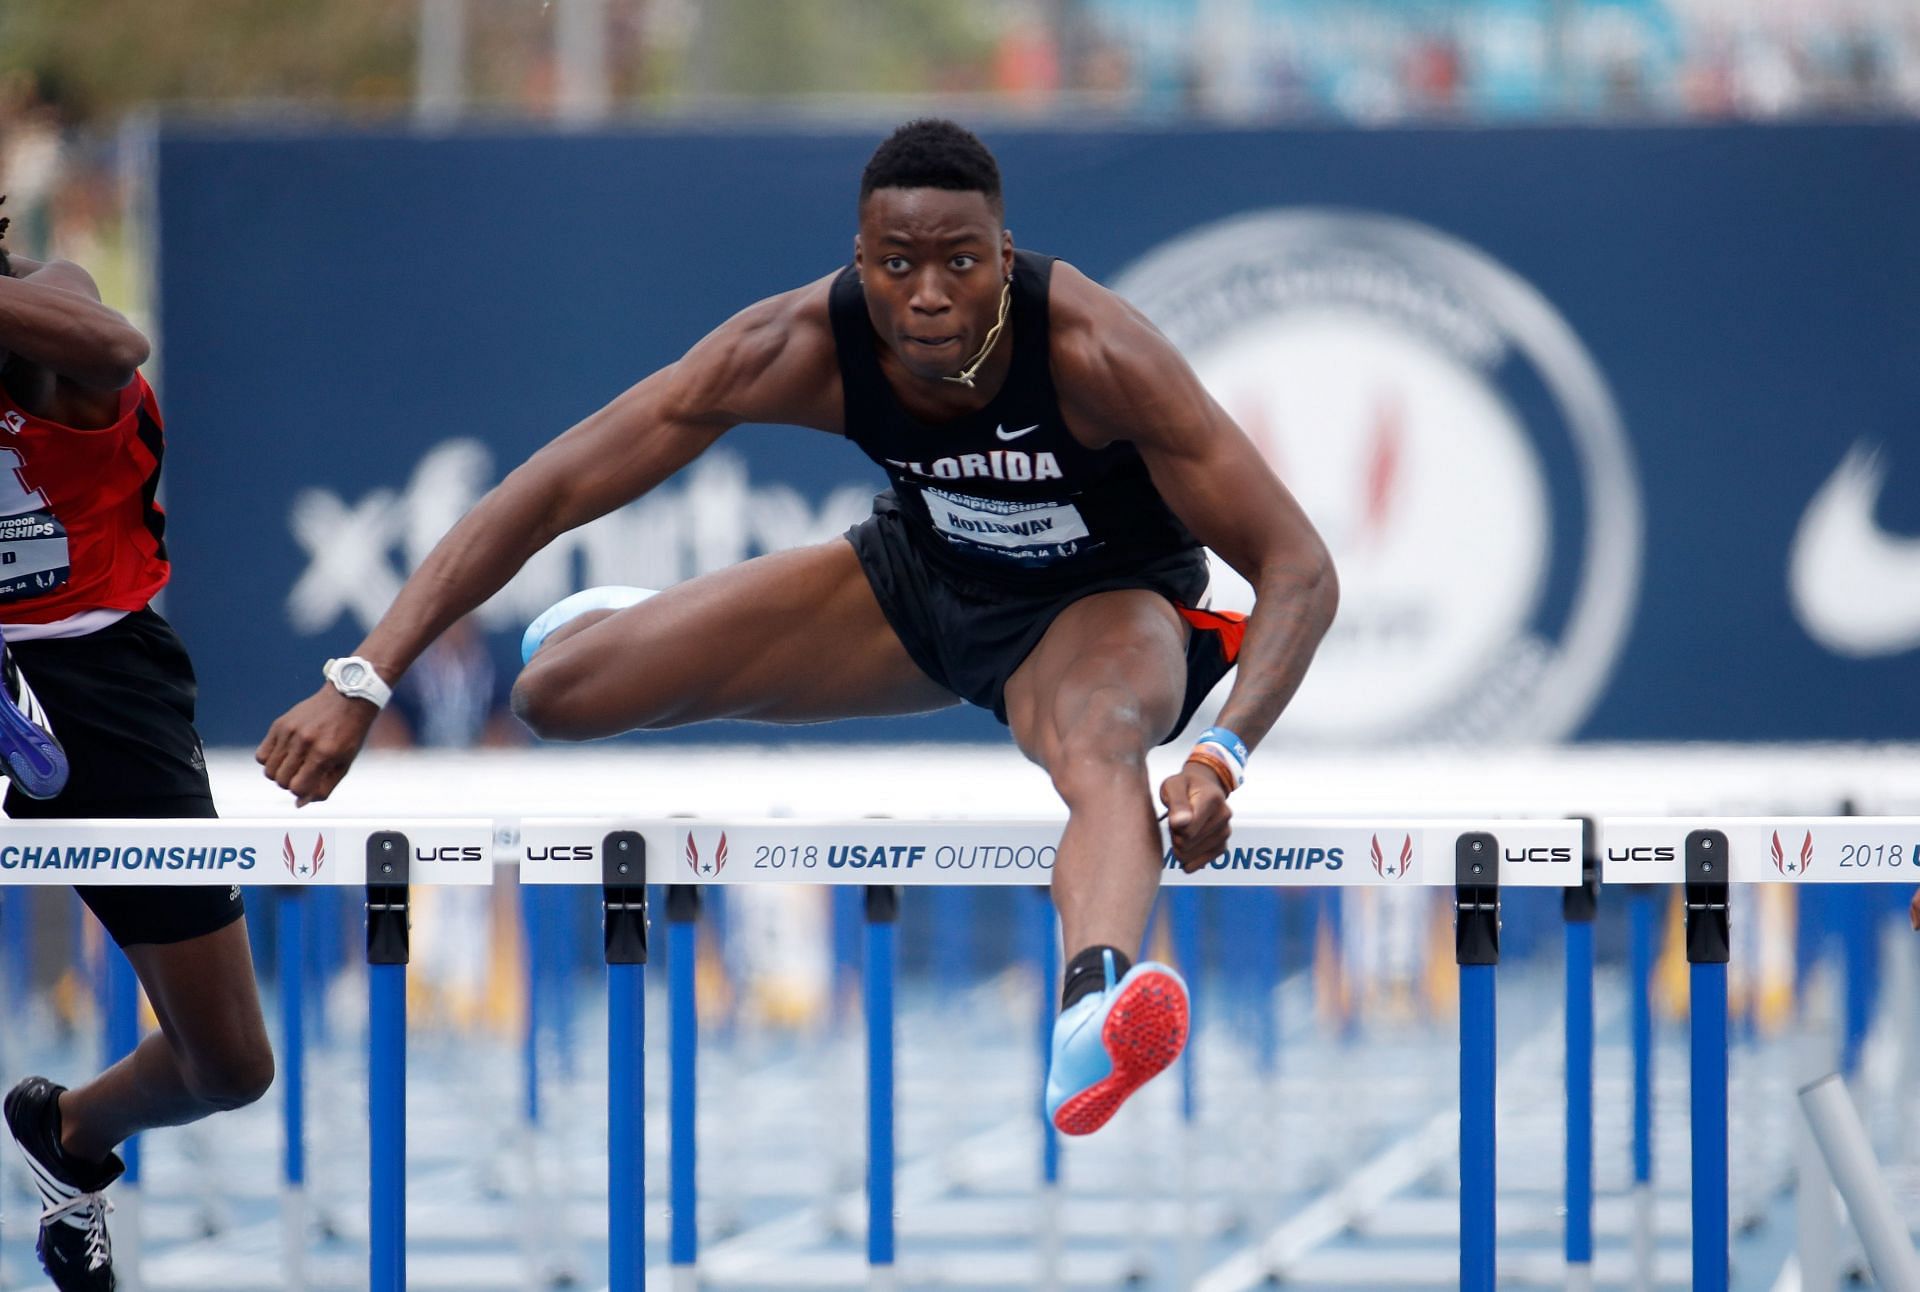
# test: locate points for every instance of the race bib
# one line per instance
(1028, 533)
(33, 542)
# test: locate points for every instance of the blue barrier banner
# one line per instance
(1612, 432)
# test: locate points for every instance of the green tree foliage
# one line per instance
(98, 58)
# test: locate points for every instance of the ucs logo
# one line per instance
(309, 868)
(1541, 856)
(1393, 869)
(1644, 852)
(1787, 865)
(713, 867)
(561, 852)
(451, 852)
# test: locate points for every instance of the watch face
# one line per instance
(353, 673)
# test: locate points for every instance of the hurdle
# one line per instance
(622, 855)
(1705, 857)
(386, 858)
(1578, 907)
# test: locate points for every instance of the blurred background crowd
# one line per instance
(71, 70)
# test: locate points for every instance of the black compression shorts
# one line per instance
(970, 636)
(121, 702)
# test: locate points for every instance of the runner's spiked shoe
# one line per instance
(73, 1245)
(1108, 1045)
(33, 757)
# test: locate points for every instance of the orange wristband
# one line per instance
(1214, 763)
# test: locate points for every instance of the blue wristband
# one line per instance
(1227, 741)
(1225, 753)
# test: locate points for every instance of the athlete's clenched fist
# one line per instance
(1198, 817)
(310, 746)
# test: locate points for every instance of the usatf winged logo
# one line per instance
(1393, 869)
(299, 869)
(1786, 865)
(709, 868)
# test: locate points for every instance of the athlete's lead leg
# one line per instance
(1102, 687)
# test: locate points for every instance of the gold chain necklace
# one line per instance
(966, 375)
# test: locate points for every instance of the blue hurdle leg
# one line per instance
(1708, 868)
(386, 1125)
(624, 935)
(388, 855)
(683, 1041)
(883, 909)
(1711, 1230)
(1048, 945)
(122, 1036)
(1477, 1040)
(1579, 906)
(291, 947)
(1183, 913)
(626, 1127)
(1477, 951)
(533, 931)
(1642, 914)
(16, 944)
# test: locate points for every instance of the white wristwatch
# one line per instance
(354, 678)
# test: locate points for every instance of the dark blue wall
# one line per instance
(335, 304)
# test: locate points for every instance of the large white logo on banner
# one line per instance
(1455, 445)
(1855, 587)
(713, 515)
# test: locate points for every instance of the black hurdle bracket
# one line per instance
(389, 912)
(1476, 899)
(1708, 888)
(623, 897)
(1581, 903)
(883, 904)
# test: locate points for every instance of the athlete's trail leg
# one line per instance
(210, 1054)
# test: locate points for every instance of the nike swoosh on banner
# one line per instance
(1855, 587)
(1006, 434)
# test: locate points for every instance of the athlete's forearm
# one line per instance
(1295, 604)
(473, 561)
(69, 333)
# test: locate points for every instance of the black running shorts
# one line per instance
(971, 635)
(121, 702)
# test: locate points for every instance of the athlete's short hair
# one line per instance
(934, 153)
(6, 266)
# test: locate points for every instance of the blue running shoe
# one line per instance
(1108, 1045)
(34, 760)
(606, 597)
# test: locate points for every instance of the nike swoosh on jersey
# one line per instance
(1006, 434)
(1855, 587)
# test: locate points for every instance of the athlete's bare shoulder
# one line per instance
(1107, 358)
(774, 361)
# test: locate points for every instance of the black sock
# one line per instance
(1087, 973)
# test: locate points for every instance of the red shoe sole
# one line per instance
(1145, 1031)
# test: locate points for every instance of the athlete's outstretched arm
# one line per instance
(1120, 379)
(773, 362)
(51, 317)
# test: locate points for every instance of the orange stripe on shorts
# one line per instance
(1230, 624)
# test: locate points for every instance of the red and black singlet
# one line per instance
(80, 532)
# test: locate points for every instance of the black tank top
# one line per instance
(1007, 491)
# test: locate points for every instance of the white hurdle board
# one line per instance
(1262, 853)
(327, 852)
(1767, 850)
